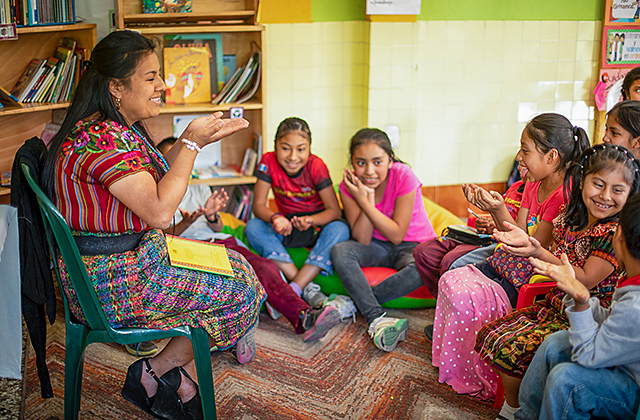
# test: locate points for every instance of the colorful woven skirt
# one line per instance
(140, 288)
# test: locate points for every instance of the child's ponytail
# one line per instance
(554, 131)
(595, 159)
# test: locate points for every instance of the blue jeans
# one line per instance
(268, 243)
(554, 387)
(348, 258)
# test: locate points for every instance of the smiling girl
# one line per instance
(623, 126)
(383, 204)
(601, 182)
(471, 296)
(308, 211)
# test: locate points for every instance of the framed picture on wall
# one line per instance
(621, 46)
(622, 12)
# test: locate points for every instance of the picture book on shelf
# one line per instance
(5, 179)
(244, 83)
(166, 6)
(198, 255)
(214, 41)
(186, 74)
(210, 45)
(23, 83)
(229, 63)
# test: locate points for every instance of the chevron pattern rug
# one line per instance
(342, 376)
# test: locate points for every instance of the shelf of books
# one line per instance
(28, 104)
(134, 12)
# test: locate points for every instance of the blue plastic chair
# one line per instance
(97, 329)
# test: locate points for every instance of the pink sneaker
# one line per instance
(245, 348)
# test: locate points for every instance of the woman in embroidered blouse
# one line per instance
(116, 192)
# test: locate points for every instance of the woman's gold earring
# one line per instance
(117, 100)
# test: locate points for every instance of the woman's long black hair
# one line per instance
(601, 157)
(114, 58)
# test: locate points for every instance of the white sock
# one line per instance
(296, 288)
(507, 411)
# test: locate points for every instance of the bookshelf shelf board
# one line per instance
(220, 17)
(229, 180)
(35, 107)
(170, 30)
(207, 107)
(54, 28)
(5, 191)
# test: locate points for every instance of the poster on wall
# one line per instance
(608, 92)
(393, 7)
(622, 12)
(621, 46)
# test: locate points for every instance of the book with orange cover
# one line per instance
(187, 75)
(199, 255)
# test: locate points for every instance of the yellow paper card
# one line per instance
(198, 255)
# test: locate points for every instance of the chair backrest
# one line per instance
(76, 270)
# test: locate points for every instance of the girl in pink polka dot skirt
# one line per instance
(471, 296)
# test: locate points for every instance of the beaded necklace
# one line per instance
(152, 150)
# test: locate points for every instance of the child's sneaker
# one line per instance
(318, 322)
(245, 349)
(273, 313)
(313, 295)
(344, 304)
(386, 332)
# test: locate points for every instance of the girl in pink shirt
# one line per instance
(383, 204)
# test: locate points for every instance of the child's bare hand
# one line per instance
(216, 202)
(190, 217)
(565, 277)
(355, 187)
(302, 222)
(485, 225)
(517, 242)
(282, 225)
(488, 201)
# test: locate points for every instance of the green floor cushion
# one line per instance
(331, 284)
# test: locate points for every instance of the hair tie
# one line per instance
(575, 133)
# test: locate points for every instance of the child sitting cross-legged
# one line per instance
(198, 218)
(592, 370)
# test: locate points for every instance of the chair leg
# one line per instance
(499, 395)
(202, 356)
(76, 341)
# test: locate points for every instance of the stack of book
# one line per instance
(36, 12)
(244, 82)
(51, 80)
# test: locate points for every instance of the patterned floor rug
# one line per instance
(342, 376)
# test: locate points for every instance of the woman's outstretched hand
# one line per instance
(356, 188)
(213, 128)
(517, 242)
(565, 277)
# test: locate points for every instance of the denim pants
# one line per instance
(348, 258)
(268, 243)
(554, 387)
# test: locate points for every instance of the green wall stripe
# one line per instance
(346, 10)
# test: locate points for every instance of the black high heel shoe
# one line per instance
(192, 408)
(167, 402)
(133, 390)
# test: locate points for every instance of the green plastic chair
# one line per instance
(98, 330)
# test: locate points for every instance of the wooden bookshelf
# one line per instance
(235, 20)
(18, 125)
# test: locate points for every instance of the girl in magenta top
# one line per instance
(383, 204)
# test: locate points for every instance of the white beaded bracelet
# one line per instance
(192, 145)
